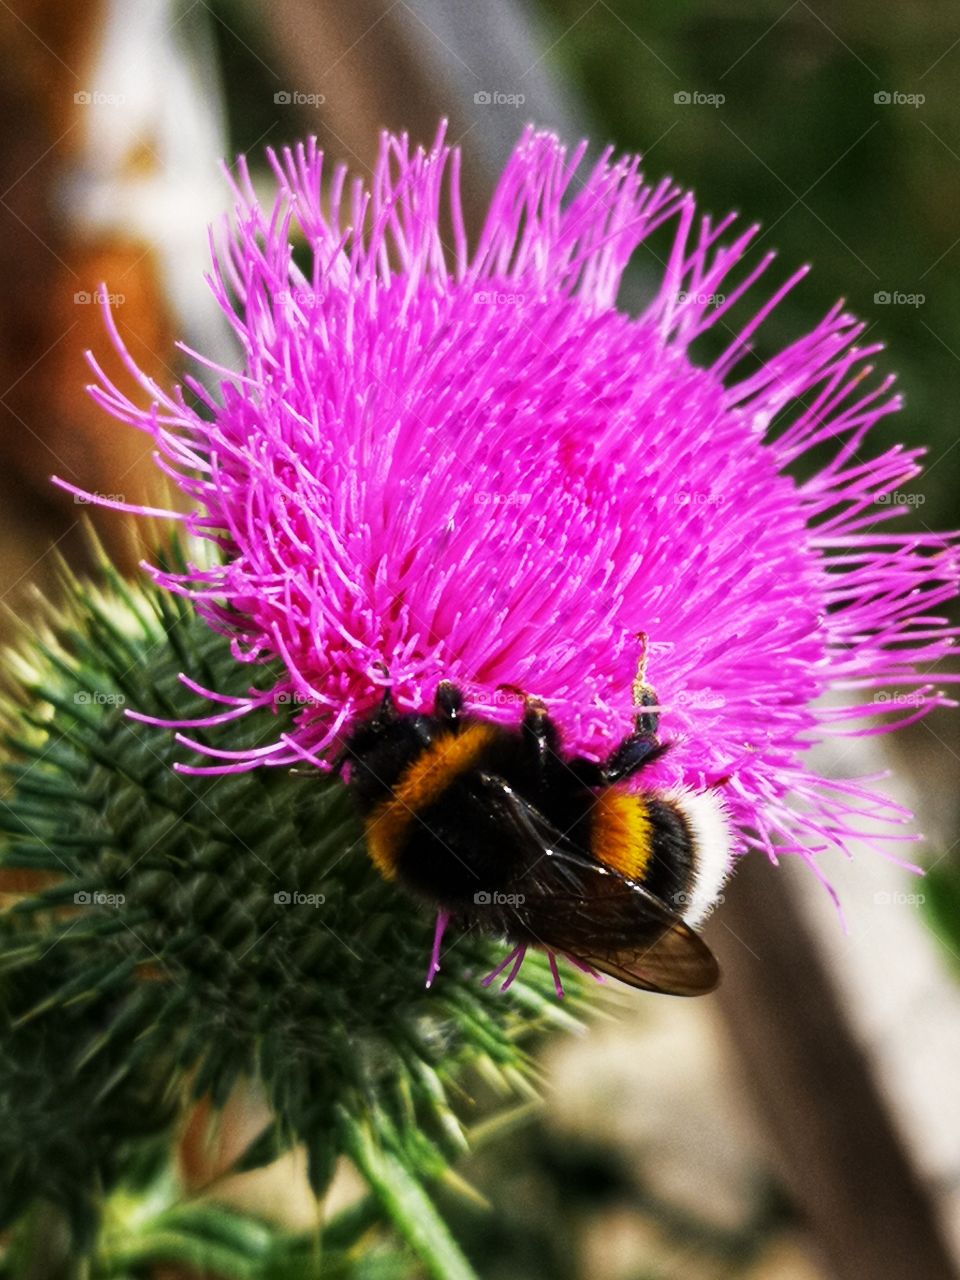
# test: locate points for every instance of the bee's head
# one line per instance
(379, 747)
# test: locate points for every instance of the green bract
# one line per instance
(179, 934)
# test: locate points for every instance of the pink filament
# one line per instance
(472, 465)
(443, 919)
(557, 984)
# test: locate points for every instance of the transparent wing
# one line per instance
(572, 903)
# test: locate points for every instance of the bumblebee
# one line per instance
(499, 830)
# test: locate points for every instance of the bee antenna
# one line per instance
(640, 686)
(387, 709)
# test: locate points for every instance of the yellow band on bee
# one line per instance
(622, 834)
(422, 784)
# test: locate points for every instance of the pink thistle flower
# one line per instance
(451, 461)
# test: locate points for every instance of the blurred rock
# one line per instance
(657, 1088)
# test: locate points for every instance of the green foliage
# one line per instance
(153, 1224)
(186, 933)
(854, 186)
(941, 901)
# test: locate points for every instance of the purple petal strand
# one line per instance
(439, 461)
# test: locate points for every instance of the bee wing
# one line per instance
(574, 904)
(615, 926)
(677, 963)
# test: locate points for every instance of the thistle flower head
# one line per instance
(450, 460)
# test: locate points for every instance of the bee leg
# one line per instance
(632, 755)
(642, 747)
(387, 711)
(639, 748)
(540, 737)
(449, 701)
(647, 721)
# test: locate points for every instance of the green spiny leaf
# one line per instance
(231, 927)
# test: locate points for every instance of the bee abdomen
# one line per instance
(675, 844)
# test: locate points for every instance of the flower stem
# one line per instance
(405, 1202)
